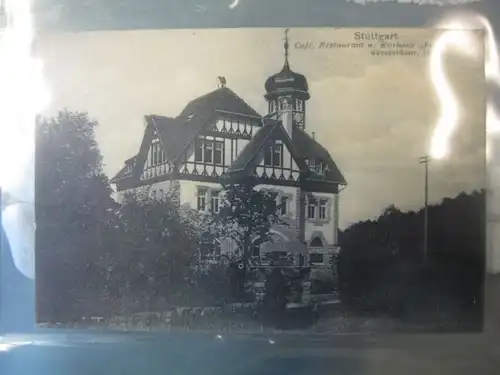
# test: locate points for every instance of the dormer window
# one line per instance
(316, 166)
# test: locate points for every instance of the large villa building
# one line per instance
(218, 135)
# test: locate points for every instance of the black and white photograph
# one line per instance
(317, 180)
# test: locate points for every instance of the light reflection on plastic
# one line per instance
(448, 120)
(23, 94)
(442, 133)
(6, 346)
(234, 4)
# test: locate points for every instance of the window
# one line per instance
(316, 242)
(316, 258)
(283, 205)
(285, 102)
(311, 209)
(273, 156)
(272, 106)
(312, 164)
(156, 154)
(218, 153)
(299, 104)
(198, 155)
(209, 152)
(322, 209)
(316, 165)
(153, 153)
(317, 209)
(215, 203)
(202, 200)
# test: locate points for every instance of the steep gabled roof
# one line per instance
(174, 133)
(125, 171)
(222, 99)
(309, 148)
(177, 133)
(272, 131)
(302, 146)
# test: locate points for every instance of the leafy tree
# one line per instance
(381, 266)
(159, 246)
(73, 209)
(246, 215)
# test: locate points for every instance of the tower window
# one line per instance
(272, 106)
(299, 104)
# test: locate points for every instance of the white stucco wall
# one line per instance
(327, 228)
(188, 191)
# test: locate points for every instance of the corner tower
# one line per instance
(287, 91)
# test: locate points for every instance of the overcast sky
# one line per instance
(374, 114)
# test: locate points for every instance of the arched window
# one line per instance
(316, 242)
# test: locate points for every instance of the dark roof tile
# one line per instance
(309, 148)
(223, 99)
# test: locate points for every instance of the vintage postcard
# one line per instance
(243, 180)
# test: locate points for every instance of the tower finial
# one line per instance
(287, 45)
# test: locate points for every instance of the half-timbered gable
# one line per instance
(270, 158)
